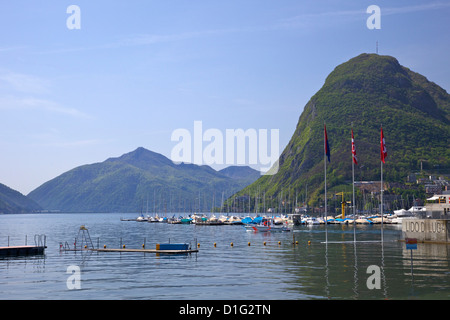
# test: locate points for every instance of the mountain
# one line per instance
(136, 181)
(242, 173)
(366, 92)
(12, 201)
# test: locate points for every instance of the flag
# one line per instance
(355, 159)
(327, 146)
(383, 151)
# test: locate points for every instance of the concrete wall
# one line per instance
(434, 230)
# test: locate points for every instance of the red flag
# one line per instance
(383, 151)
(355, 159)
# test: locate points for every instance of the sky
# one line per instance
(80, 87)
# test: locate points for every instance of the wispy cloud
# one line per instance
(149, 39)
(55, 137)
(302, 20)
(31, 103)
(29, 92)
(417, 8)
(143, 39)
(298, 21)
(74, 143)
(11, 48)
(327, 17)
(26, 83)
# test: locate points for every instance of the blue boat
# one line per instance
(172, 246)
(247, 220)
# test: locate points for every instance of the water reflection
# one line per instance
(346, 262)
(278, 269)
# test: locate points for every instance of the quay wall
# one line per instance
(427, 230)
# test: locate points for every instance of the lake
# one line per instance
(272, 267)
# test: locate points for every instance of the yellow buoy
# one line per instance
(215, 244)
(123, 246)
(249, 244)
(143, 246)
(309, 242)
(264, 243)
(231, 244)
(279, 242)
(104, 246)
(198, 245)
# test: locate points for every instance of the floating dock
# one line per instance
(163, 248)
(22, 250)
(83, 242)
(40, 244)
(146, 250)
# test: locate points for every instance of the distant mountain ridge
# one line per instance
(241, 172)
(126, 183)
(12, 201)
(366, 92)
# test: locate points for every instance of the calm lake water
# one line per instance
(337, 270)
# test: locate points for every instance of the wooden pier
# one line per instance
(146, 250)
(83, 242)
(40, 244)
(22, 250)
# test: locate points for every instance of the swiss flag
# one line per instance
(383, 151)
(355, 159)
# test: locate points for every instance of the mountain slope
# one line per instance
(126, 183)
(242, 173)
(12, 201)
(369, 91)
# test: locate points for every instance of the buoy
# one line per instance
(215, 244)
(104, 246)
(198, 245)
(143, 246)
(85, 246)
(296, 242)
(123, 246)
(249, 244)
(279, 242)
(309, 242)
(264, 243)
(231, 244)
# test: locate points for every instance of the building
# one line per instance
(438, 206)
(433, 189)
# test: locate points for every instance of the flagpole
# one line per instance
(325, 166)
(353, 187)
(354, 161)
(382, 155)
(381, 208)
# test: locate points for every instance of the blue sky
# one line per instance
(138, 70)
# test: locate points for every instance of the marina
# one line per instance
(230, 263)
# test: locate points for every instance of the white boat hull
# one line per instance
(259, 228)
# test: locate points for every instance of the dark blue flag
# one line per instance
(327, 146)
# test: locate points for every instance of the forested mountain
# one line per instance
(365, 93)
(12, 201)
(139, 180)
